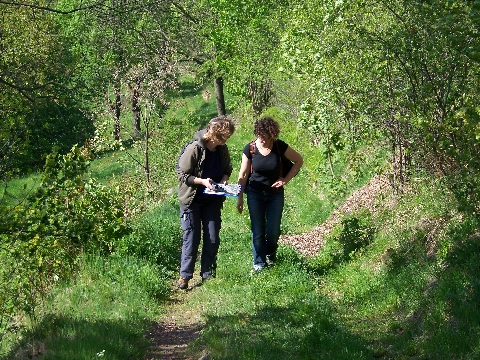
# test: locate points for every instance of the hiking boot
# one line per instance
(182, 284)
(258, 267)
(206, 278)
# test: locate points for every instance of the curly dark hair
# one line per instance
(266, 127)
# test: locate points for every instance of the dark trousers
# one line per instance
(198, 219)
(266, 210)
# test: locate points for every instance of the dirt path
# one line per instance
(171, 341)
(310, 243)
(172, 335)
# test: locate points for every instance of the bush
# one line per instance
(42, 237)
(348, 238)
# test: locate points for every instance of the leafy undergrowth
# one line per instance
(395, 278)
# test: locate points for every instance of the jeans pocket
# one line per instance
(186, 219)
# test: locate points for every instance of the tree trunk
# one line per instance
(220, 96)
(117, 112)
(260, 93)
(115, 108)
(330, 163)
(147, 162)
(136, 111)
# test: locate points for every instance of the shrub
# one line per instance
(42, 237)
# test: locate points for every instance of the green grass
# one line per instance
(399, 283)
(276, 314)
(188, 105)
(17, 190)
(393, 298)
(107, 308)
(115, 163)
(392, 292)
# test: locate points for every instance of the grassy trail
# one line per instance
(386, 299)
(277, 314)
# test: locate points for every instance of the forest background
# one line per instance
(98, 97)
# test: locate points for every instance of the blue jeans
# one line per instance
(197, 219)
(266, 208)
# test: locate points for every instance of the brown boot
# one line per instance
(182, 284)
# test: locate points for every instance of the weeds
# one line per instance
(400, 282)
(106, 309)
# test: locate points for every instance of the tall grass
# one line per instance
(400, 282)
(104, 310)
(411, 291)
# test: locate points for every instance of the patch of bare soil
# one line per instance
(170, 341)
(171, 337)
(310, 243)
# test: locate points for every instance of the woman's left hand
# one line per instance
(279, 183)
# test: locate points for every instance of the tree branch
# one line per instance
(45, 8)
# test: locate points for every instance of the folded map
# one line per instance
(226, 190)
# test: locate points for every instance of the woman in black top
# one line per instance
(265, 193)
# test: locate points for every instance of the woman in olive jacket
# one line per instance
(203, 162)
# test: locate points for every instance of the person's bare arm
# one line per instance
(242, 180)
(297, 160)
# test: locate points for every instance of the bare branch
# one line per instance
(45, 8)
(185, 13)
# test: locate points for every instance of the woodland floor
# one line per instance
(171, 336)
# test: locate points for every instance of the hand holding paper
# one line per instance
(224, 189)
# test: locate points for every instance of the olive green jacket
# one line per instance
(190, 166)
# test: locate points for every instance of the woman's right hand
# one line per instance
(205, 182)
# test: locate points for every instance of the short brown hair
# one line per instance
(220, 127)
